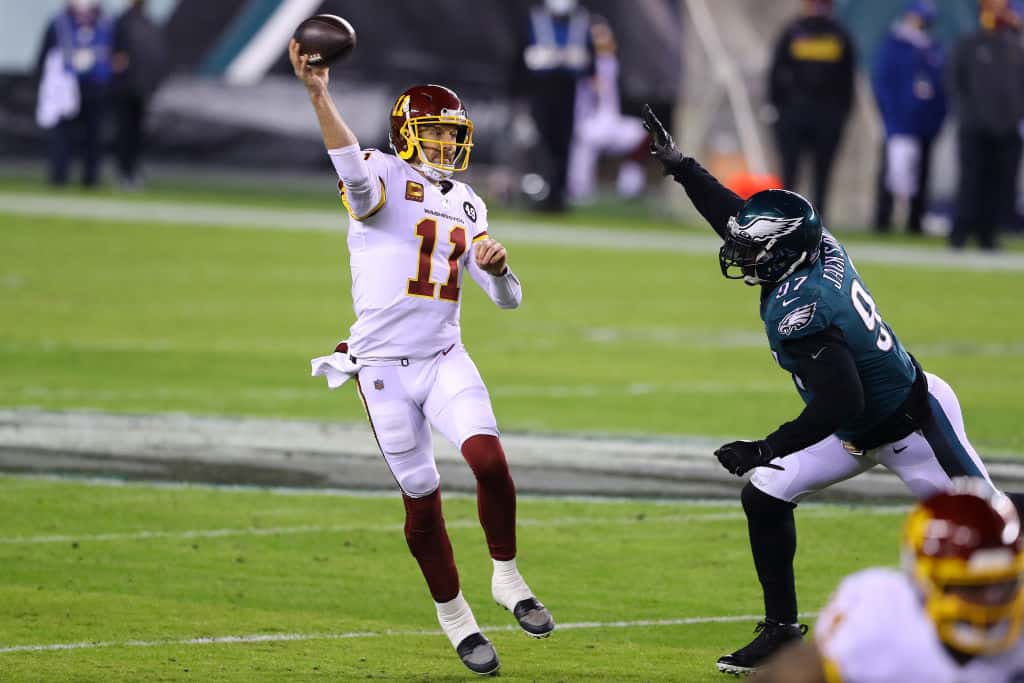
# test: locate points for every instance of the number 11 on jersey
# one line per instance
(423, 286)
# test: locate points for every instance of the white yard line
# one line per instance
(387, 495)
(224, 216)
(142, 535)
(292, 637)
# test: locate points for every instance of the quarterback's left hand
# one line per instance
(739, 457)
(491, 256)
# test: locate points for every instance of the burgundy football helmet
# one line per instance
(430, 105)
(963, 549)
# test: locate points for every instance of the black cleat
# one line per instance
(477, 653)
(534, 617)
(771, 637)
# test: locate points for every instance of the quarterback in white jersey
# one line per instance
(408, 255)
(413, 233)
(952, 616)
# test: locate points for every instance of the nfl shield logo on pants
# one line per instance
(378, 384)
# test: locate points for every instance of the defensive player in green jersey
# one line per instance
(867, 401)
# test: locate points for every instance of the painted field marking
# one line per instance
(552, 234)
(143, 535)
(293, 637)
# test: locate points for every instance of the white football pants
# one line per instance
(925, 460)
(403, 399)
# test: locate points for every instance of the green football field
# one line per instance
(138, 582)
(130, 316)
(144, 583)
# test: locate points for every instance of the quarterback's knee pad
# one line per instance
(419, 482)
(486, 458)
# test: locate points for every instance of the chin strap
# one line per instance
(796, 264)
(433, 174)
(754, 280)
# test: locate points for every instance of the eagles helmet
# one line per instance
(774, 233)
(962, 548)
(427, 105)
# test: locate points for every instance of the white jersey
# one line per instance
(408, 255)
(875, 630)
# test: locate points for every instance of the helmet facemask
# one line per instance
(434, 154)
(757, 262)
(453, 155)
(971, 579)
(975, 612)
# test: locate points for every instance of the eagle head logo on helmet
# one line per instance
(774, 233)
(764, 229)
(417, 110)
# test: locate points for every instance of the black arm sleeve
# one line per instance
(826, 368)
(713, 200)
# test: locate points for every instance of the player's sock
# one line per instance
(473, 648)
(495, 493)
(428, 541)
(511, 592)
(507, 584)
(456, 618)
(773, 544)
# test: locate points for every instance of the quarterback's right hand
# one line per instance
(663, 147)
(315, 79)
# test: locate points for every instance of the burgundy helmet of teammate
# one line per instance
(419, 110)
(963, 549)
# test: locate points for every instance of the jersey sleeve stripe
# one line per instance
(831, 670)
(371, 212)
(481, 236)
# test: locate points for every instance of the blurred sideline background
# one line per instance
(230, 104)
(129, 301)
(162, 333)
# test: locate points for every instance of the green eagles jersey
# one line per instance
(827, 294)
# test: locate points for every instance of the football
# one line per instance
(326, 38)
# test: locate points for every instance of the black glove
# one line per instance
(663, 147)
(739, 457)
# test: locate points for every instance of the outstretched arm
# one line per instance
(336, 132)
(362, 195)
(715, 202)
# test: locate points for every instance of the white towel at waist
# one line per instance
(337, 368)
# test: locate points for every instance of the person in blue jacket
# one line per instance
(83, 36)
(908, 82)
(556, 52)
